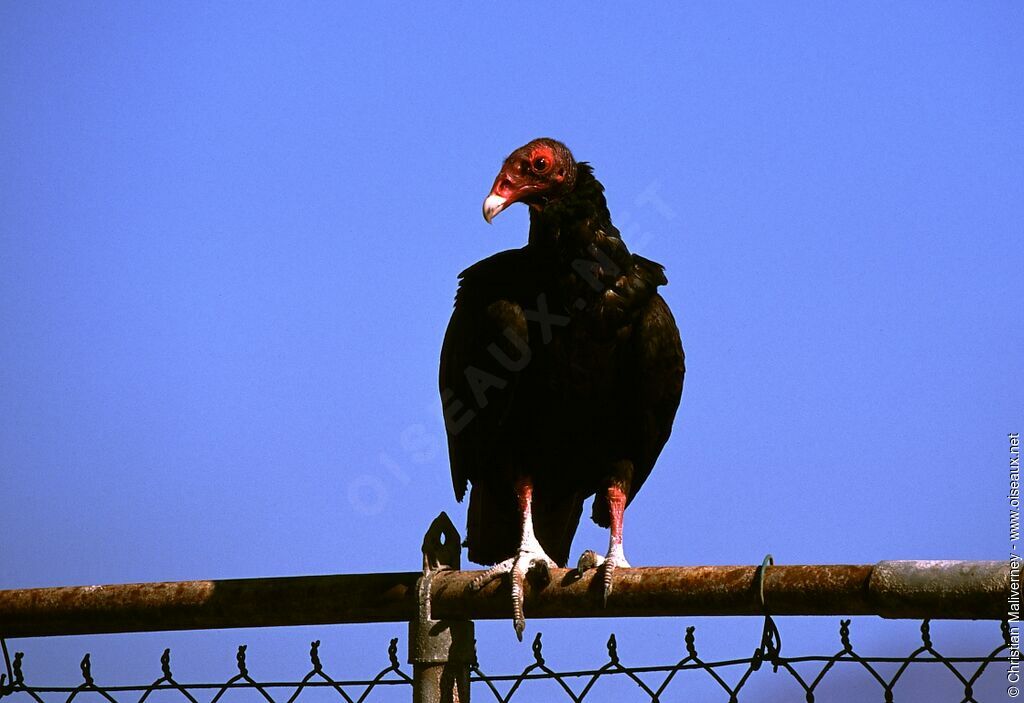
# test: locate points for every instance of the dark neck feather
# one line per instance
(592, 274)
(569, 222)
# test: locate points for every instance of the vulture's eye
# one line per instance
(540, 164)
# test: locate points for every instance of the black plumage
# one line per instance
(562, 365)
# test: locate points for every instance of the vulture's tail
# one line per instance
(493, 525)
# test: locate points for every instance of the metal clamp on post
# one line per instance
(440, 651)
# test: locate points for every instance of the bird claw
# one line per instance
(588, 560)
(607, 565)
(525, 562)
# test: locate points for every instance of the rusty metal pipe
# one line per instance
(906, 589)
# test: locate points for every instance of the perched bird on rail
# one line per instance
(561, 372)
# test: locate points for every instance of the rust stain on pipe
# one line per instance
(891, 589)
(666, 591)
(188, 605)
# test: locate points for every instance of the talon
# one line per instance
(606, 564)
(529, 560)
(541, 572)
(613, 561)
(518, 617)
(588, 560)
(609, 569)
(492, 574)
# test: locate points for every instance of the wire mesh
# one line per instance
(731, 678)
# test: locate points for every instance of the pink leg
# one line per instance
(615, 558)
(528, 556)
(524, 495)
(617, 508)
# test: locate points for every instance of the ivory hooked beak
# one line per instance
(493, 204)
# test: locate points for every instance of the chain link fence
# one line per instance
(880, 677)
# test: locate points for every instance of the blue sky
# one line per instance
(229, 241)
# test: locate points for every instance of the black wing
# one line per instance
(481, 360)
(478, 371)
(660, 365)
(656, 367)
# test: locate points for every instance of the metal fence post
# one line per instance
(440, 651)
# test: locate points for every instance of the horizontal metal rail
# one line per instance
(890, 589)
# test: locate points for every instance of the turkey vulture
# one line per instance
(561, 371)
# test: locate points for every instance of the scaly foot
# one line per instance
(528, 558)
(615, 559)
